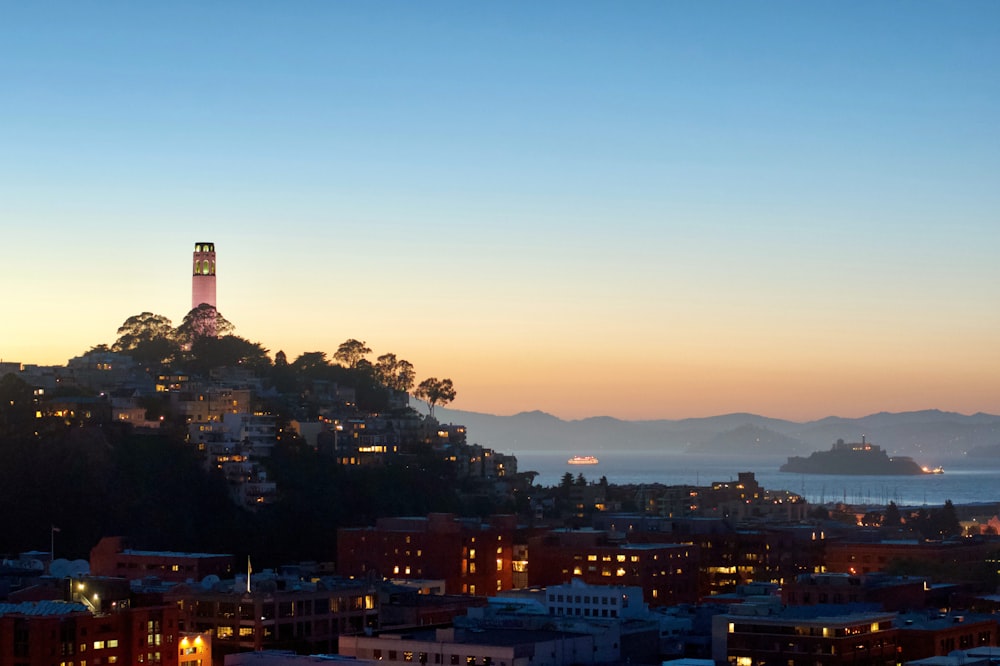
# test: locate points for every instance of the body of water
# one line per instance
(965, 481)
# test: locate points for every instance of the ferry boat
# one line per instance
(582, 460)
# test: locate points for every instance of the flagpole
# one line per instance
(52, 545)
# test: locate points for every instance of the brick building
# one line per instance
(469, 556)
(942, 633)
(806, 636)
(57, 633)
(892, 593)
(855, 557)
(276, 613)
(111, 557)
(667, 573)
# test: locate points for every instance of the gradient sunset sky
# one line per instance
(636, 209)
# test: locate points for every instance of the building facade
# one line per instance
(470, 556)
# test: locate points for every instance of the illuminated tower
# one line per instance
(203, 282)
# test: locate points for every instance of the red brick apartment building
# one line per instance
(666, 572)
(302, 616)
(58, 633)
(862, 558)
(806, 638)
(470, 557)
(924, 635)
(892, 593)
(110, 557)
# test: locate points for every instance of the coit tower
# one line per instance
(203, 280)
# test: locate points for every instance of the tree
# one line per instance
(351, 352)
(229, 351)
(311, 363)
(892, 517)
(396, 374)
(17, 407)
(435, 391)
(148, 338)
(203, 321)
(944, 522)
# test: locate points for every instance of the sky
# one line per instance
(640, 209)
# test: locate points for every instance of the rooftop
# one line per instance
(42, 608)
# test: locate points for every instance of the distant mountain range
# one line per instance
(943, 434)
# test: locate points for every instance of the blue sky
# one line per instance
(694, 207)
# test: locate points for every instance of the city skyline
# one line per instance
(675, 210)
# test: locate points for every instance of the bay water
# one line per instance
(964, 481)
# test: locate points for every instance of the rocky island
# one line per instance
(858, 458)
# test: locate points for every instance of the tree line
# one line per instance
(205, 339)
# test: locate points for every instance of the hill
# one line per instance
(937, 432)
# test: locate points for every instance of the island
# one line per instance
(858, 458)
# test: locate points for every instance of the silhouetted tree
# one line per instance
(229, 351)
(148, 338)
(435, 391)
(396, 374)
(892, 517)
(17, 409)
(203, 321)
(311, 364)
(351, 352)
